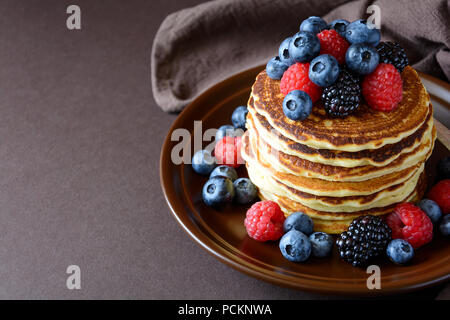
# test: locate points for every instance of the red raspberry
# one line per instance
(334, 44)
(383, 88)
(228, 152)
(440, 194)
(264, 221)
(296, 78)
(410, 223)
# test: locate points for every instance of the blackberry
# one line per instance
(393, 53)
(343, 97)
(366, 238)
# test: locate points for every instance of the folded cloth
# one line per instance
(197, 47)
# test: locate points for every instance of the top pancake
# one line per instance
(364, 129)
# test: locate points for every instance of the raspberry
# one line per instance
(383, 88)
(264, 221)
(228, 152)
(296, 78)
(440, 194)
(410, 223)
(333, 44)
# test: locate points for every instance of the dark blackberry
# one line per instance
(343, 97)
(366, 238)
(393, 53)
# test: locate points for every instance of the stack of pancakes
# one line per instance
(334, 169)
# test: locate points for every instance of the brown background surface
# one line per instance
(79, 181)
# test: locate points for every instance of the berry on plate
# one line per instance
(400, 251)
(383, 88)
(393, 53)
(295, 246)
(300, 222)
(324, 70)
(283, 52)
(246, 191)
(362, 58)
(296, 78)
(332, 43)
(304, 46)
(264, 221)
(203, 162)
(344, 96)
(224, 171)
(275, 68)
(340, 25)
(431, 209)
(445, 226)
(440, 194)
(321, 244)
(218, 191)
(365, 239)
(443, 168)
(227, 130)
(297, 105)
(239, 117)
(228, 152)
(313, 24)
(410, 223)
(359, 32)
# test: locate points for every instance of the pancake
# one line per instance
(321, 187)
(258, 175)
(286, 163)
(375, 157)
(340, 221)
(365, 129)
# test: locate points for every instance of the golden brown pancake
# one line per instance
(365, 129)
(375, 157)
(287, 163)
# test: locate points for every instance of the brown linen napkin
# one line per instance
(197, 47)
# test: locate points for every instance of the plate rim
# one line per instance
(237, 263)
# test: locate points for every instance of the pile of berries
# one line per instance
(266, 222)
(224, 186)
(340, 63)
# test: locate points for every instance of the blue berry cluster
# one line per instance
(224, 185)
(361, 58)
(300, 242)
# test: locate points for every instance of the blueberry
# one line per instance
(432, 210)
(324, 70)
(275, 68)
(226, 130)
(321, 244)
(304, 46)
(359, 32)
(444, 168)
(239, 117)
(400, 251)
(362, 58)
(224, 171)
(445, 226)
(297, 105)
(283, 52)
(340, 25)
(218, 191)
(295, 246)
(300, 222)
(203, 162)
(313, 25)
(246, 191)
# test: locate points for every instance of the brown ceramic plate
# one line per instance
(223, 235)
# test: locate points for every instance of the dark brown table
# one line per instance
(79, 151)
